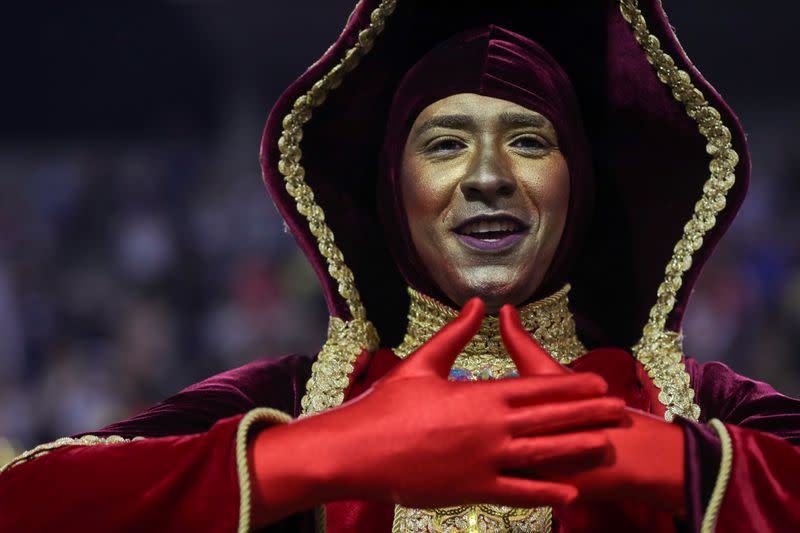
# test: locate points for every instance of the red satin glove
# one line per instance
(647, 463)
(417, 439)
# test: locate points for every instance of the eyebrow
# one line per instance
(463, 122)
(521, 120)
(455, 122)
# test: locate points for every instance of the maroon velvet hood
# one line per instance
(656, 133)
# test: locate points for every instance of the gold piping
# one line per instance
(294, 173)
(548, 320)
(261, 414)
(86, 440)
(723, 477)
(346, 339)
(473, 519)
(485, 357)
(659, 349)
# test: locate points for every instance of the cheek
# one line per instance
(557, 191)
(548, 188)
(425, 195)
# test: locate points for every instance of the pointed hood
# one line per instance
(669, 160)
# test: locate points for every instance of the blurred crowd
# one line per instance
(128, 272)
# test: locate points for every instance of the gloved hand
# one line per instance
(647, 463)
(417, 439)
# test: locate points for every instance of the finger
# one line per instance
(566, 416)
(531, 359)
(521, 492)
(587, 447)
(544, 389)
(439, 353)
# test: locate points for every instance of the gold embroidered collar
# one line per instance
(548, 320)
(551, 324)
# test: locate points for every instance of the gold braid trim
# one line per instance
(548, 320)
(346, 340)
(660, 350)
(42, 449)
(294, 173)
(261, 414)
(330, 372)
(473, 519)
(723, 477)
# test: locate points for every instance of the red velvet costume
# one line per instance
(189, 472)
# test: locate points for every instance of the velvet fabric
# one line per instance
(765, 426)
(649, 165)
(765, 429)
(489, 61)
(151, 485)
(166, 480)
(649, 159)
(277, 383)
(181, 477)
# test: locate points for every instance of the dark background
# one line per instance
(139, 252)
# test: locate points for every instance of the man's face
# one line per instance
(486, 190)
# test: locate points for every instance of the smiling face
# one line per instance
(486, 191)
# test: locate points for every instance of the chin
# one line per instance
(495, 293)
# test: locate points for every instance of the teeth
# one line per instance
(489, 226)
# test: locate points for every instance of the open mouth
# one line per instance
(495, 232)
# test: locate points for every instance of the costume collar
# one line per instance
(548, 320)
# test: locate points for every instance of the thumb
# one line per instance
(531, 359)
(440, 352)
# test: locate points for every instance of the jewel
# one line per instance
(461, 374)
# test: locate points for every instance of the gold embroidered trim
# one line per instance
(723, 477)
(548, 320)
(42, 449)
(294, 173)
(473, 519)
(659, 350)
(330, 372)
(346, 340)
(261, 414)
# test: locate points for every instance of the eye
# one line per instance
(445, 146)
(531, 144)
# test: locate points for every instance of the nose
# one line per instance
(489, 179)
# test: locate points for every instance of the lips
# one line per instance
(491, 232)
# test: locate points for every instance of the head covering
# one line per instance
(489, 61)
(669, 157)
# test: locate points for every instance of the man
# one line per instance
(487, 187)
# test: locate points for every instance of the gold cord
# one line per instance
(261, 414)
(711, 515)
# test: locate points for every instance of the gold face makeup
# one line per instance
(486, 191)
